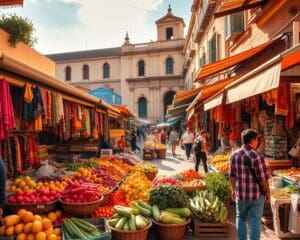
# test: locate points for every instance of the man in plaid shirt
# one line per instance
(248, 191)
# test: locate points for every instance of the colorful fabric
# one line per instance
(282, 102)
(59, 108)
(7, 118)
(246, 187)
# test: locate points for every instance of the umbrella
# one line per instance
(163, 125)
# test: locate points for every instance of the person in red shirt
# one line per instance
(121, 143)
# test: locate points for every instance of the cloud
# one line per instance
(73, 25)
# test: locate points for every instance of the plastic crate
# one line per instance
(101, 224)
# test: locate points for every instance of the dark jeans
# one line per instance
(134, 147)
(199, 156)
(188, 147)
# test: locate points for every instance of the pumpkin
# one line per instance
(11, 220)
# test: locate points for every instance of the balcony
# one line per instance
(207, 10)
(192, 51)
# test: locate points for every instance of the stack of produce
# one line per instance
(27, 226)
(52, 185)
(23, 183)
(171, 215)
(131, 218)
(116, 162)
(291, 173)
(221, 162)
(149, 169)
(109, 171)
(189, 175)
(82, 164)
(162, 180)
(149, 145)
(160, 146)
(107, 210)
(32, 197)
(75, 228)
(136, 186)
(206, 207)
(193, 184)
(80, 193)
(280, 194)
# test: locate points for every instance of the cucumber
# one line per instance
(131, 223)
(144, 205)
(140, 223)
(83, 226)
(169, 213)
(155, 212)
(182, 212)
(76, 230)
(116, 216)
(121, 222)
(68, 229)
(123, 211)
(168, 219)
(143, 211)
(91, 226)
(113, 222)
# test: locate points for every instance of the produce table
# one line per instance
(275, 203)
(278, 164)
(213, 169)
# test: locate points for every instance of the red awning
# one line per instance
(184, 95)
(232, 6)
(11, 2)
(219, 66)
(123, 110)
(290, 60)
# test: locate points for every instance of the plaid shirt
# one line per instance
(246, 187)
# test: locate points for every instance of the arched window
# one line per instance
(86, 72)
(142, 107)
(68, 73)
(141, 66)
(106, 70)
(169, 65)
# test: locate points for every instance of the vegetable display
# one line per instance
(38, 196)
(76, 228)
(171, 215)
(207, 207)
(218, 184)
(166, 180)
(168, 196)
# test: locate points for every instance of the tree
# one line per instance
(20, 29)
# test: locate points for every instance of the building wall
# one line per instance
(178, 30)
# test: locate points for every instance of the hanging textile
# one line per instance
(53, 110)
(38, 109)
(101, 130)
(229, 115)
(7, 118)
(218, 114)
(59, 108)
(28, 110)
(282, 100)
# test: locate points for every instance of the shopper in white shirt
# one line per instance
(188, 139)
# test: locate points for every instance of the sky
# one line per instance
(75, 25)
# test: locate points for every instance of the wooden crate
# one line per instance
(211, 229)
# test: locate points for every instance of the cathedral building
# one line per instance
(146, 75)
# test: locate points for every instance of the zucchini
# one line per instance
(144, 205)
(131, 223)
(69, 233)
(140, 222)
(87, 224)
(82, 225)
(143, 211)
(116, 216)
(155, 212)
(78, 233)
(126, 226)
(123, 211)
(182, 212)
(171, 214)
(168, 219)
(121, 222)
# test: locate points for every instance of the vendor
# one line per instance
(2, 186)
(121, 143)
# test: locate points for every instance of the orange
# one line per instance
(27, 217)
(21, 236)
(36, 227)
(10, 231)
(58, 213)
(57, 231)
(30, 236)
(46, 223)
(52, 237)
(52, 216)
(49, 231)
(37, 218)
(41, 236)
(27, 179)
(27, 228)
(2, 230)
(19, 228)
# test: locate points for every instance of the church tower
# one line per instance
(170, 27)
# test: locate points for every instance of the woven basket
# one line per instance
(35, 208)
(192, 189)
(161, 153)
(81, 209)
(171, 231)
(131, 235)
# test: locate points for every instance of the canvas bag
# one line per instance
(295, 150)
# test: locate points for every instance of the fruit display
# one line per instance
(195, 183)
(220, 158)
(160, 146)
(25, 226)
(161, 180)
(219, 185)
(171, 215)
(75, 228)
(23, 183)
(131, 218)
(80, 193)
(290, 173)
(189, 174)
(149, 145)
(280, 193)
(168, 196)
(82, 164)
(221, 166)
(146, 168)
(136, 186)
(38, 196)
(207, 207)
(115, 162)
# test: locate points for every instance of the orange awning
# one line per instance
(123, 110)
(11, 2)
(185, 97)
(207, 91)
(232, 6)
(226, 63)
(290, 60)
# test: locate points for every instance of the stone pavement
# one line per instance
(172, 165)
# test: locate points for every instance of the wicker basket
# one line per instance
(161, 153)
(171, 231)
(35, 208)
(81, 209)
(131, 235)
(192, 189)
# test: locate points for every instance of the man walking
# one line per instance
(249, 182)
(200, 149)
(187, 139)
